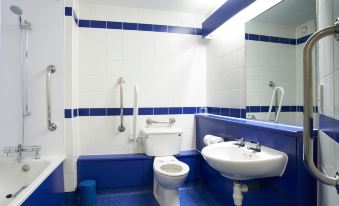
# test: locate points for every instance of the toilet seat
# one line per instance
(170, 166)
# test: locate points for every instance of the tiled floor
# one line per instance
(190, 195)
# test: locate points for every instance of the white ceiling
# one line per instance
(289, 12)
(204, 7)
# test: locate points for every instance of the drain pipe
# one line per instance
(238, 189)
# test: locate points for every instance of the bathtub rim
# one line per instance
(55, 161)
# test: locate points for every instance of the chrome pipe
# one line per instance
(50, 125)
(121, 127)
(308, 106)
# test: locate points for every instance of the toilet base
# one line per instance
(165, 197)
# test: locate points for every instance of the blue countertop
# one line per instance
(107, 157)
(281, 128)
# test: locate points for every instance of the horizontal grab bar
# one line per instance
(149, 121)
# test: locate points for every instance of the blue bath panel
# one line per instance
(50, 192)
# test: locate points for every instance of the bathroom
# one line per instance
(181, 102)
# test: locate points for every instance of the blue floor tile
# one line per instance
(190, 195)
(135, 199)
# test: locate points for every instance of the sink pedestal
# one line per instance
(238, 189)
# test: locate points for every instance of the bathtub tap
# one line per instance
(20, 149)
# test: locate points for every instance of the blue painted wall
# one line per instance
(50, 192)
(224, 13)
(128, 170)
(296, 187)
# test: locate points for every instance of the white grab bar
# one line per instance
(121, 127)
(274, 94)
(134, 135)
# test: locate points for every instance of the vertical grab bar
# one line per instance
(308, 105)
(277, 107)
(121, 127)
(50, 125)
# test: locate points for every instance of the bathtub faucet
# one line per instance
(20, 149)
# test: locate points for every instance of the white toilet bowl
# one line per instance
(169, 175)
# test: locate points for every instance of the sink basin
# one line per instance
(240, 163)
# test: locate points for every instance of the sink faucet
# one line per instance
(20, 149)
(257, 147)
(240, 142)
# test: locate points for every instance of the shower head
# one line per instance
(16, 10)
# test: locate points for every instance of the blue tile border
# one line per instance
(146, 111)
(175, 110)
(88, 23)
(114, 25)
(83, 112)
(284, 108)
(161, 111)
(68, 113)
(68, 11)
(98, 24)
(275, 39)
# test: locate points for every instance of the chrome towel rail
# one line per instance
(149, 121)
(50, 125)
(121, 127)
(308, 105)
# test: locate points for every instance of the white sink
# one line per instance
(240, 163)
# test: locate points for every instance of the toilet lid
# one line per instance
(172, 169)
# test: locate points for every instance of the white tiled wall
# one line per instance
(45, 48)
(169, 69)
(328, 70)
(71, 88)
(226, 68)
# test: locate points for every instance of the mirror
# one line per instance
(274, 67)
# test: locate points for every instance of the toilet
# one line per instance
(169, 172)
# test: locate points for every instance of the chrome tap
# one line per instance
(257, 147)
(20, 149)
(240, 142)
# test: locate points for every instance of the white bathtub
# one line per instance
(12, 178)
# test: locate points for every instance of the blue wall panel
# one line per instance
(50, 192)
(128, 170)
(296, 187)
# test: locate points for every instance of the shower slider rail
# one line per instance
(308, 105)
(50, 125)
(149, 121)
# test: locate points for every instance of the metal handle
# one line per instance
(121, 127)
(149, 121)
(308, 106)
(50, 125)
